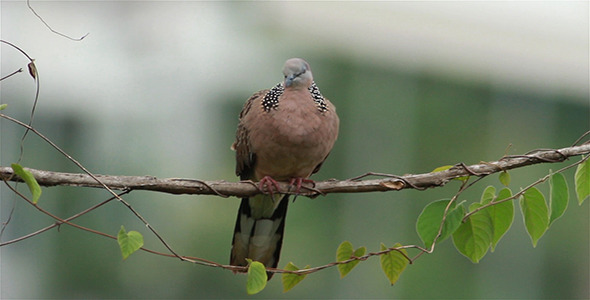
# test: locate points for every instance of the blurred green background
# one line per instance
(156, 87)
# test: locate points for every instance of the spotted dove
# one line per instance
(284, 134)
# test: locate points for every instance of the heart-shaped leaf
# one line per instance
(257, 277)
(474, 236)
(501, 215)
(559, 196)
(535, 214)
(345, 252)
(393, 263)
(291, 280)
(129, 242)
(428, 224)
(582, 181)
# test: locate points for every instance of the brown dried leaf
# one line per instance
(33, 69)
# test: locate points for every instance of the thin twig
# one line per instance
(51, 29)
(67, 221)
(521, 192)
(581, 138)
(56, 224)
(11, 74)
(100, 183)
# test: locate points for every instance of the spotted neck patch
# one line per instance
(271, 99)
(318, 98)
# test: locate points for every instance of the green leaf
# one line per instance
(129, 242)
(444, 168)
(474, 236)
(502, 216)
(582, 181)
(360, 252)
(3, 106)
(429, 221)
(393, 263)
(504, 178)
(256, 277)
(559, 196)
(29, 179)
(344, 252)
(441, 168)
(291, 280)
(488, 195)
(535, 214)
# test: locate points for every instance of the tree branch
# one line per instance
(353, 185)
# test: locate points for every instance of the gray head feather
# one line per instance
(297, 73)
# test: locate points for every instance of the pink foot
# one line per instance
(268, 183)
(297, 182)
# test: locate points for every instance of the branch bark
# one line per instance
(387, 182)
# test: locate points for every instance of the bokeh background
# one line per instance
(156, 87)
